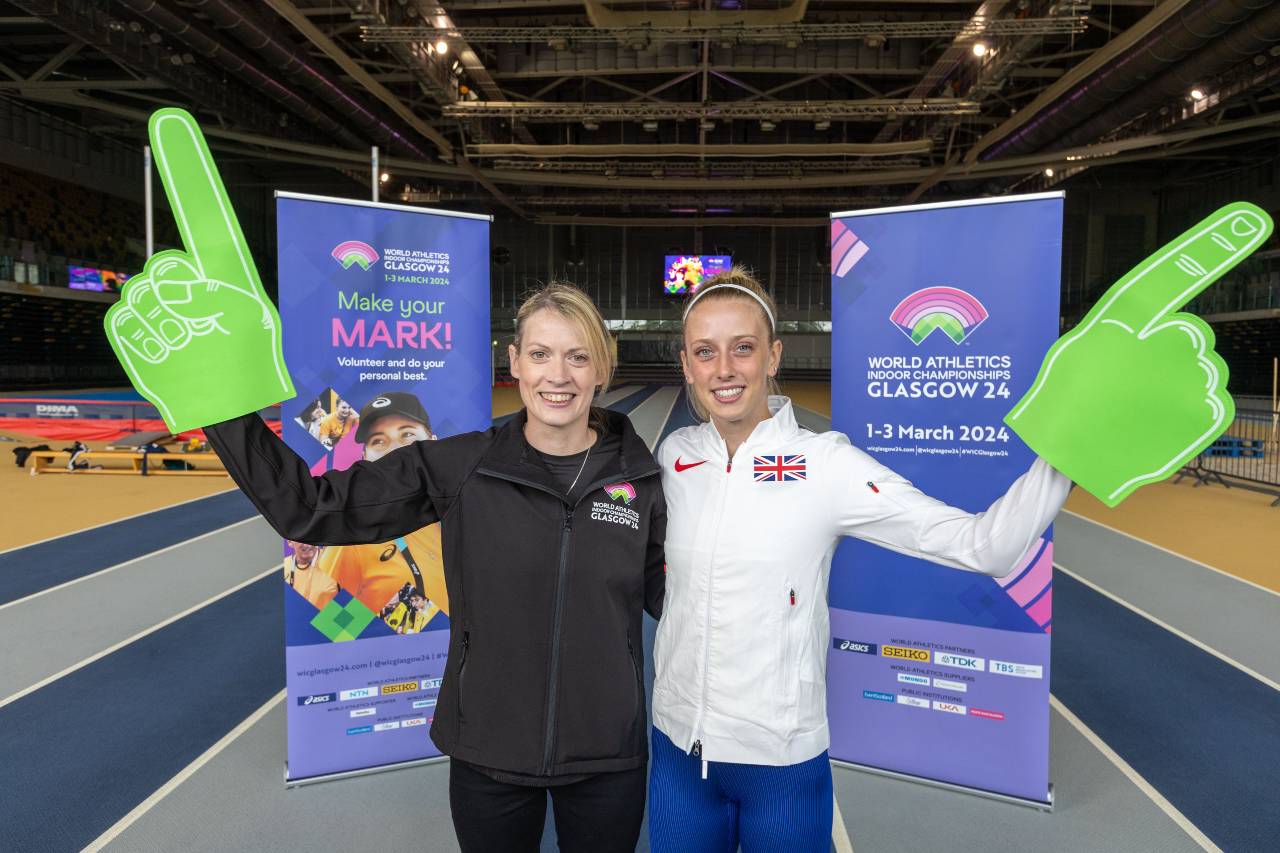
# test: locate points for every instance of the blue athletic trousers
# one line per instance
(766, 809)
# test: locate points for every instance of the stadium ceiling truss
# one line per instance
(640, 36)
(773, 110)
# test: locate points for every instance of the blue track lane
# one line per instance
(28, 570)
(1206, 735)
(80, 753)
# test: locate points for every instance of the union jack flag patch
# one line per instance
(780, 469)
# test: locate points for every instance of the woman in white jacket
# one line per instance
(739, 705)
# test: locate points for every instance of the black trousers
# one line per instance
(601, 814)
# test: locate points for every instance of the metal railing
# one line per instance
(1247, 453)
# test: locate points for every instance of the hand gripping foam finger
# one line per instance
(196, 332)
(1135, 391)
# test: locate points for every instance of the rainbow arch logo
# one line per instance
(624, 492)
(354, 252)
(956, 312)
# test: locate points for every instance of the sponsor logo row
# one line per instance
(392, 725)
(954, 661)
(372, 692)
(945, 707)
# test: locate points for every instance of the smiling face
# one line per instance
(344, 410)
(728, 360)
(392, 431)
(554, 370)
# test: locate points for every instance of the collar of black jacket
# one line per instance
(511, 456)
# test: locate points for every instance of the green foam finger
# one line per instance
(195, 331)
(1184, 267)
(205, 218)
(1136, 391)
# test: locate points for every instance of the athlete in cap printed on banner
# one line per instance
(401, 580)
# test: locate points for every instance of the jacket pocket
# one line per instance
(462, 670)
(636, 683)
(788, 656)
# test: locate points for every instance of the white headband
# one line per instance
(701, 293)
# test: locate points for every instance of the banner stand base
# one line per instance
(948, 786)
(351, 774)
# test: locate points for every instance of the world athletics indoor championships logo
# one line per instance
(950, 309)
(354, 252)
(624, 492)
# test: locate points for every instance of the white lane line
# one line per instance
(1136, 778)
(1172, 553)
(839, 832)
(101, 572)
(138, 636)
(114, 521)
(1182, 635)
(183, 775)
(662, 424)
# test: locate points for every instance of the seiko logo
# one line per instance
(905, 653)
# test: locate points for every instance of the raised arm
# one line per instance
(875, 504)
(369, 502)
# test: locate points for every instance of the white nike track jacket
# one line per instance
(741, 650)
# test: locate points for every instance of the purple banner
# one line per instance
(386, 334)
(941, 316)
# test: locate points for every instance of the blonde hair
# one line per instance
(574, 305)
(739, 277)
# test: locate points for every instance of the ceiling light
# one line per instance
(590, 124)
(979, 48)
(767, 126)
(442, 47)
(1048, 173)
(651, 126)
(822, 125)
(384, 177)
(1197, 94)
(707, 124)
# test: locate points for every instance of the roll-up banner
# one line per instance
(386, 333)
(941, 316)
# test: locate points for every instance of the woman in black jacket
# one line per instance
(552, 529)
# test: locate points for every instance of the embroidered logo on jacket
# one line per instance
(780, 469)
(624, 492)
(685, 466)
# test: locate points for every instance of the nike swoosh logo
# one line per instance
(687, 465)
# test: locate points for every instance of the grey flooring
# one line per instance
(1235, 618)
(43, 635)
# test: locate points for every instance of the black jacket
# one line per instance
(545, 590)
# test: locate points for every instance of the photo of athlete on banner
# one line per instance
(402, 580)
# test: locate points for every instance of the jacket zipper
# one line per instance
(553, 673)
(706, 644)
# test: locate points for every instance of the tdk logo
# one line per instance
(853, 646)
(431, 683)
(959, 661)
(317, 699)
